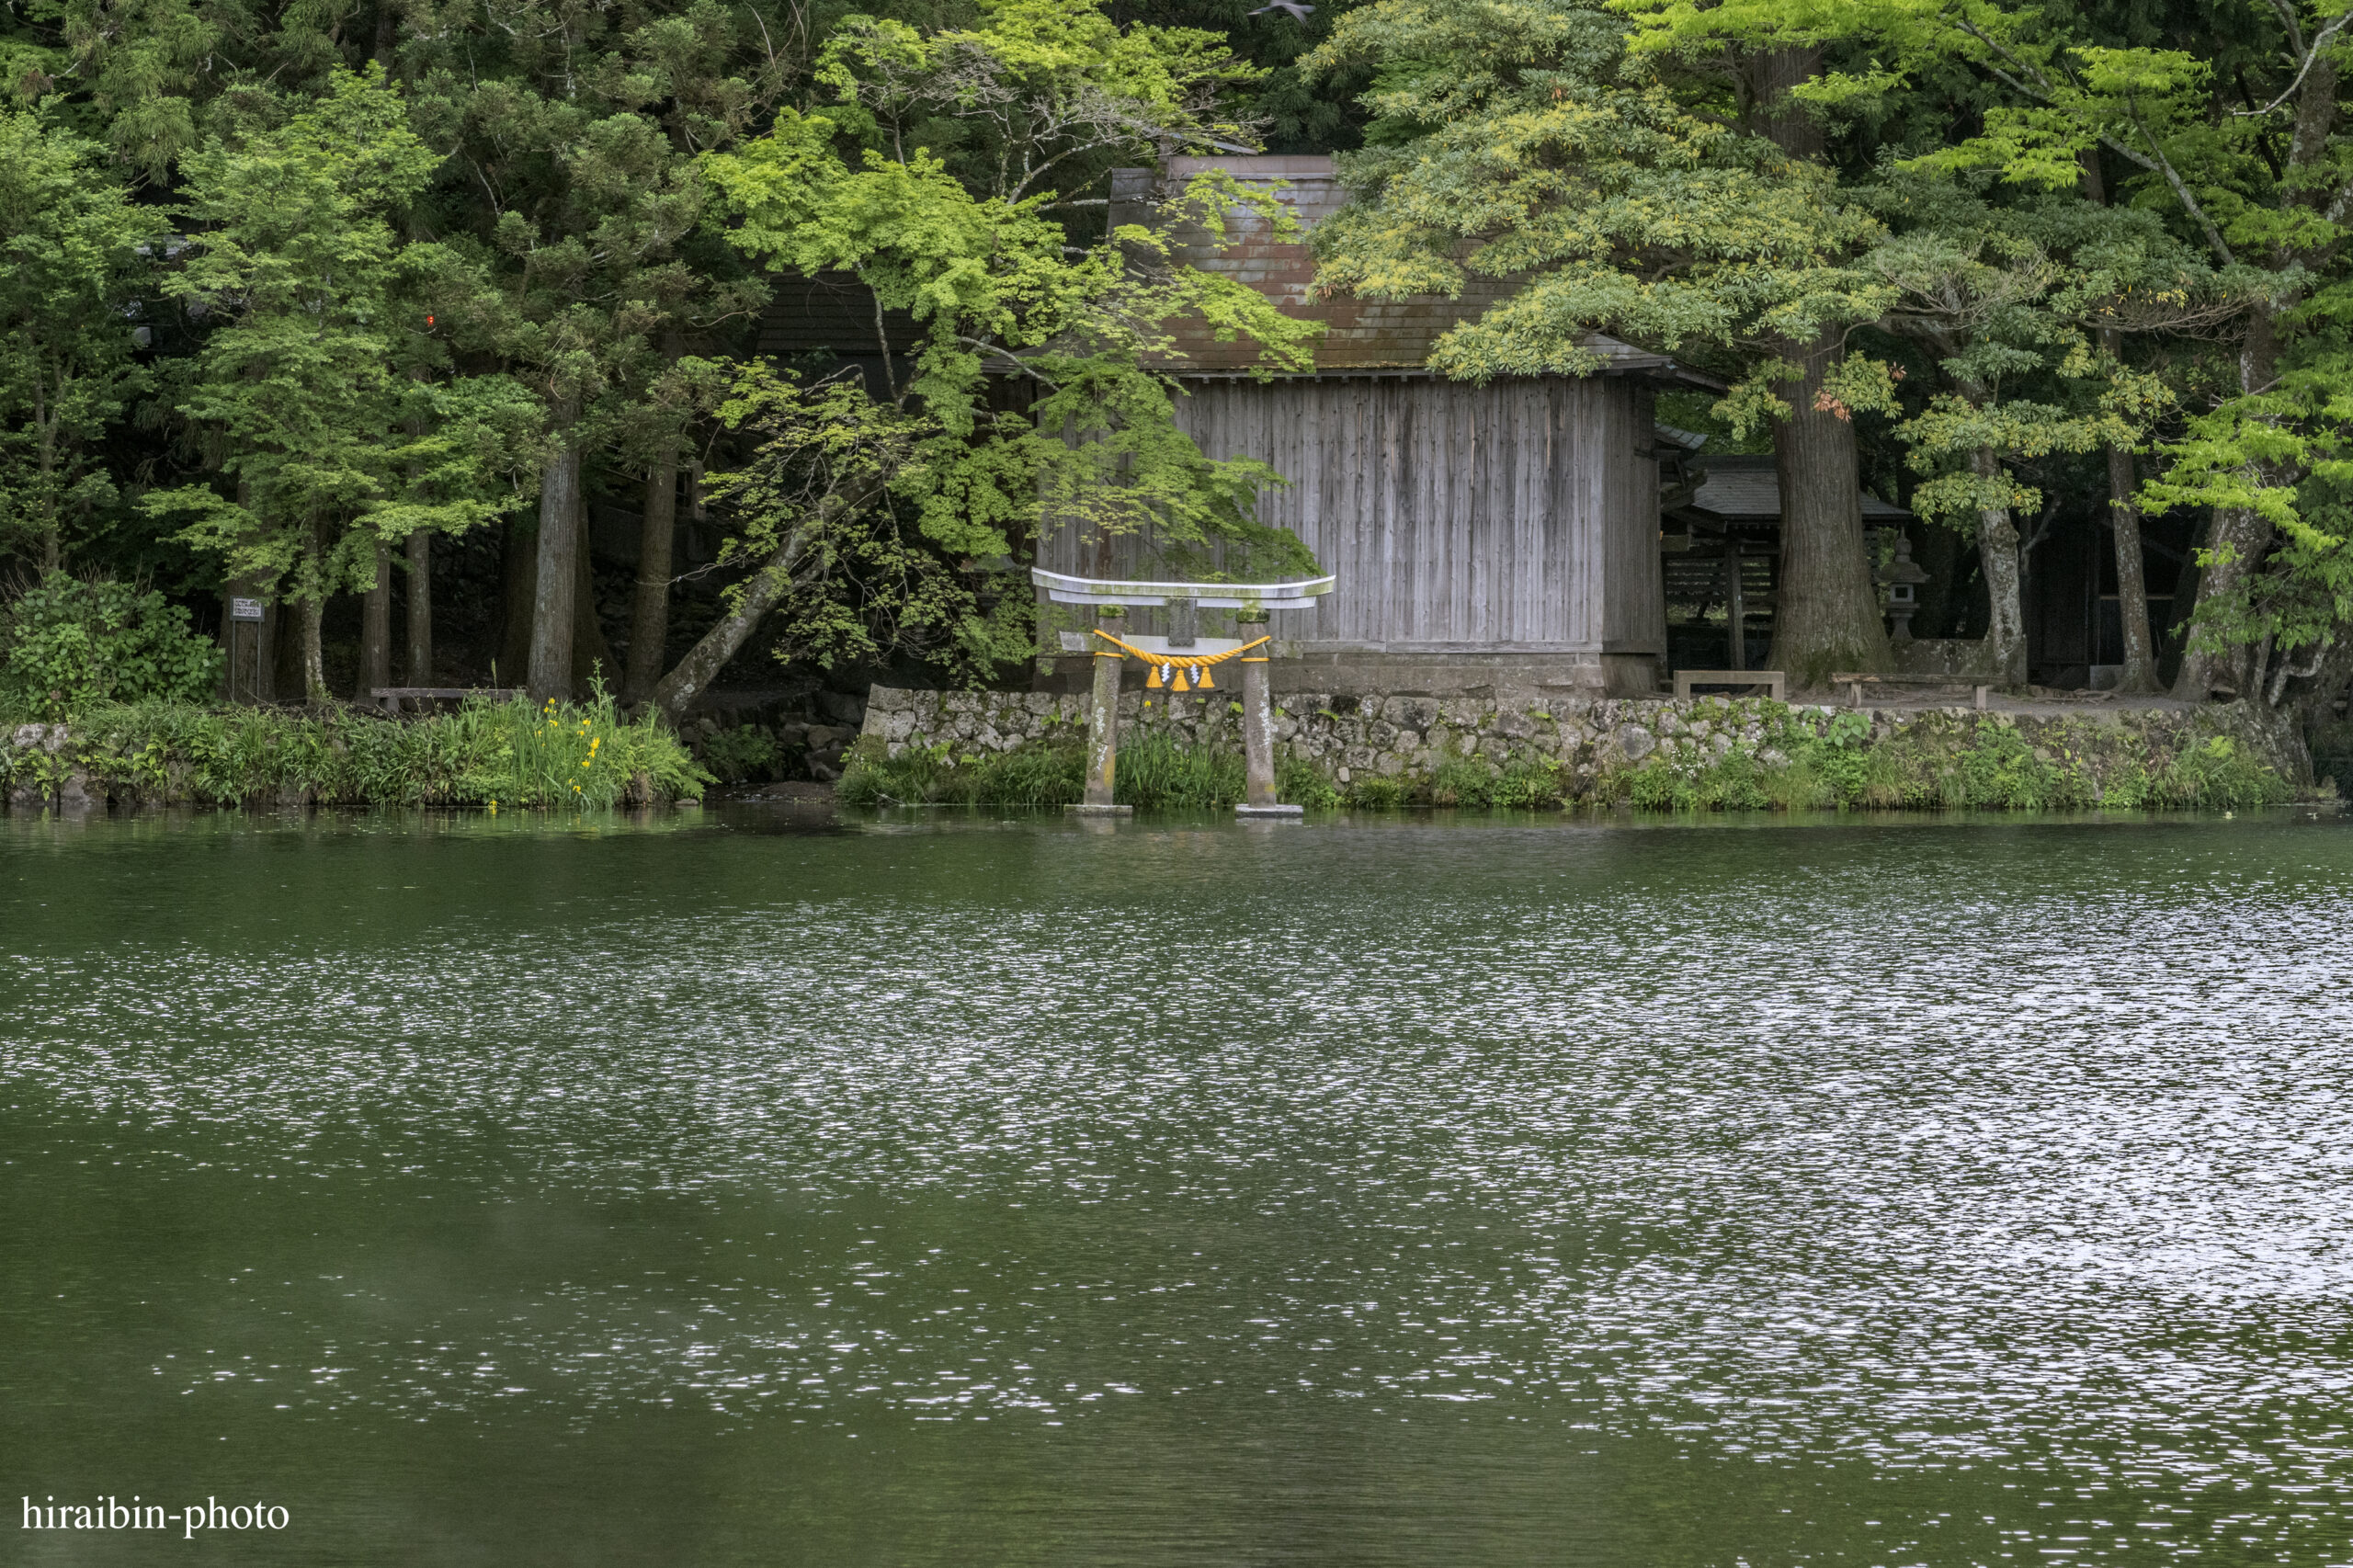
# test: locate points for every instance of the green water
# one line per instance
(756, 1189)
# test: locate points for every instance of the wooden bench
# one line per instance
(391, 697)
(1775, 684)
(1855, 680)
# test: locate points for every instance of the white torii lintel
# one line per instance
(1199, 647)
(1067, 590)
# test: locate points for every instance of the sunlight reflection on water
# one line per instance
(2020, 1149)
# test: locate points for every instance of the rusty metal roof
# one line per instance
(1744, 490)
(1363, 337)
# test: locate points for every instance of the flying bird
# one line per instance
(1295, 9)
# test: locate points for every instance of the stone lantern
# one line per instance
(1902, 577)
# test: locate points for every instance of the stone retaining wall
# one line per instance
(1591, 743)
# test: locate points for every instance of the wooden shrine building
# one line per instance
(1483, 538)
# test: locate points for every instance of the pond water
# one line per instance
(754, 1188)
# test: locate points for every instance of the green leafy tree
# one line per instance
(659, 433)
(574, 134)
(1520, 139)
(74, 254)
(297, 388)
(2012, 303)
(1000, 286)
(811, 505)
(134, 73)
(2230, 123)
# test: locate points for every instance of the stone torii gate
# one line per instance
(1171, 657)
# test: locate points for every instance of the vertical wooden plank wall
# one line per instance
(1519, 516)
(1634, 617)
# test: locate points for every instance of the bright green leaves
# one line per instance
(1953, 430)
(72, 644)
(296, 219)
(2283, 455)
(997, 285)
(73, 251)
(299, 387)
(2005, 300)
(996, 289)
(1035, 96)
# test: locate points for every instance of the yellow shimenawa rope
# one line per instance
(1168, 669)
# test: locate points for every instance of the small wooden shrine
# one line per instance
(1486, 538)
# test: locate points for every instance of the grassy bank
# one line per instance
(496, 756)
(1797, 761)
(1155, 771)
(1939, 761)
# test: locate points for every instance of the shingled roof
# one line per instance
(1363, 337)
(834, 315)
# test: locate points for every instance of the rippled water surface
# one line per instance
(761, 1190)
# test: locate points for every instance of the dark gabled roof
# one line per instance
(831, 314)
(1364, 336)
(1742, 490)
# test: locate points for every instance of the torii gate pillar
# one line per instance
(1103, 727)
(1258, 733)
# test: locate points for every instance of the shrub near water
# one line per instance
(509, 754)
(68, 645)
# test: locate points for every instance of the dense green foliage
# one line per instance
(493, 756)
(292, 292)
(67, 646)
(433, 265)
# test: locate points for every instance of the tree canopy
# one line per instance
(294, 293)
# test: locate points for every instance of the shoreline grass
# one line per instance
(1992, 768)
(491, 755)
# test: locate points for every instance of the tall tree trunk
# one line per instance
(315, 655)
(592, 655)
(312, 600)
(557, 581)
(2140, 675)
(1997, 552)
(649, 627)
(52, 553)
(312, 609)
(420, 607)
(2236, 541)
(376, 630)
(518, 577)
(676, 691)
(1828, 614)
